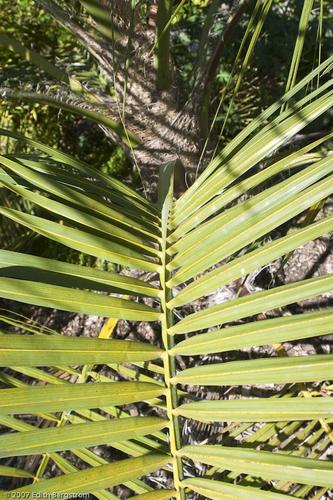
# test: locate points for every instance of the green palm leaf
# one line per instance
(74, 300)
(77, 436)
(261, 371)
(79, 396)
(190, 248)
(270, 331)
(258, 410)
(128, 137)
(254, 304)
(63, 273)
(103, 476)
(219, 491)
(264, 464)
(17, 350)
(157, 495)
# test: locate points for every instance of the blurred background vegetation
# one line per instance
(262, 83)
(266, 75)
(35, 29)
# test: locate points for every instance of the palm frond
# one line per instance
(144, 397)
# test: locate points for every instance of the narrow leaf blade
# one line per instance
(79, 301)
(260, 371)
(264, 464)
(75, 396)
(77, 436)
(35, 350)
(103, 476)
(258, 410)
